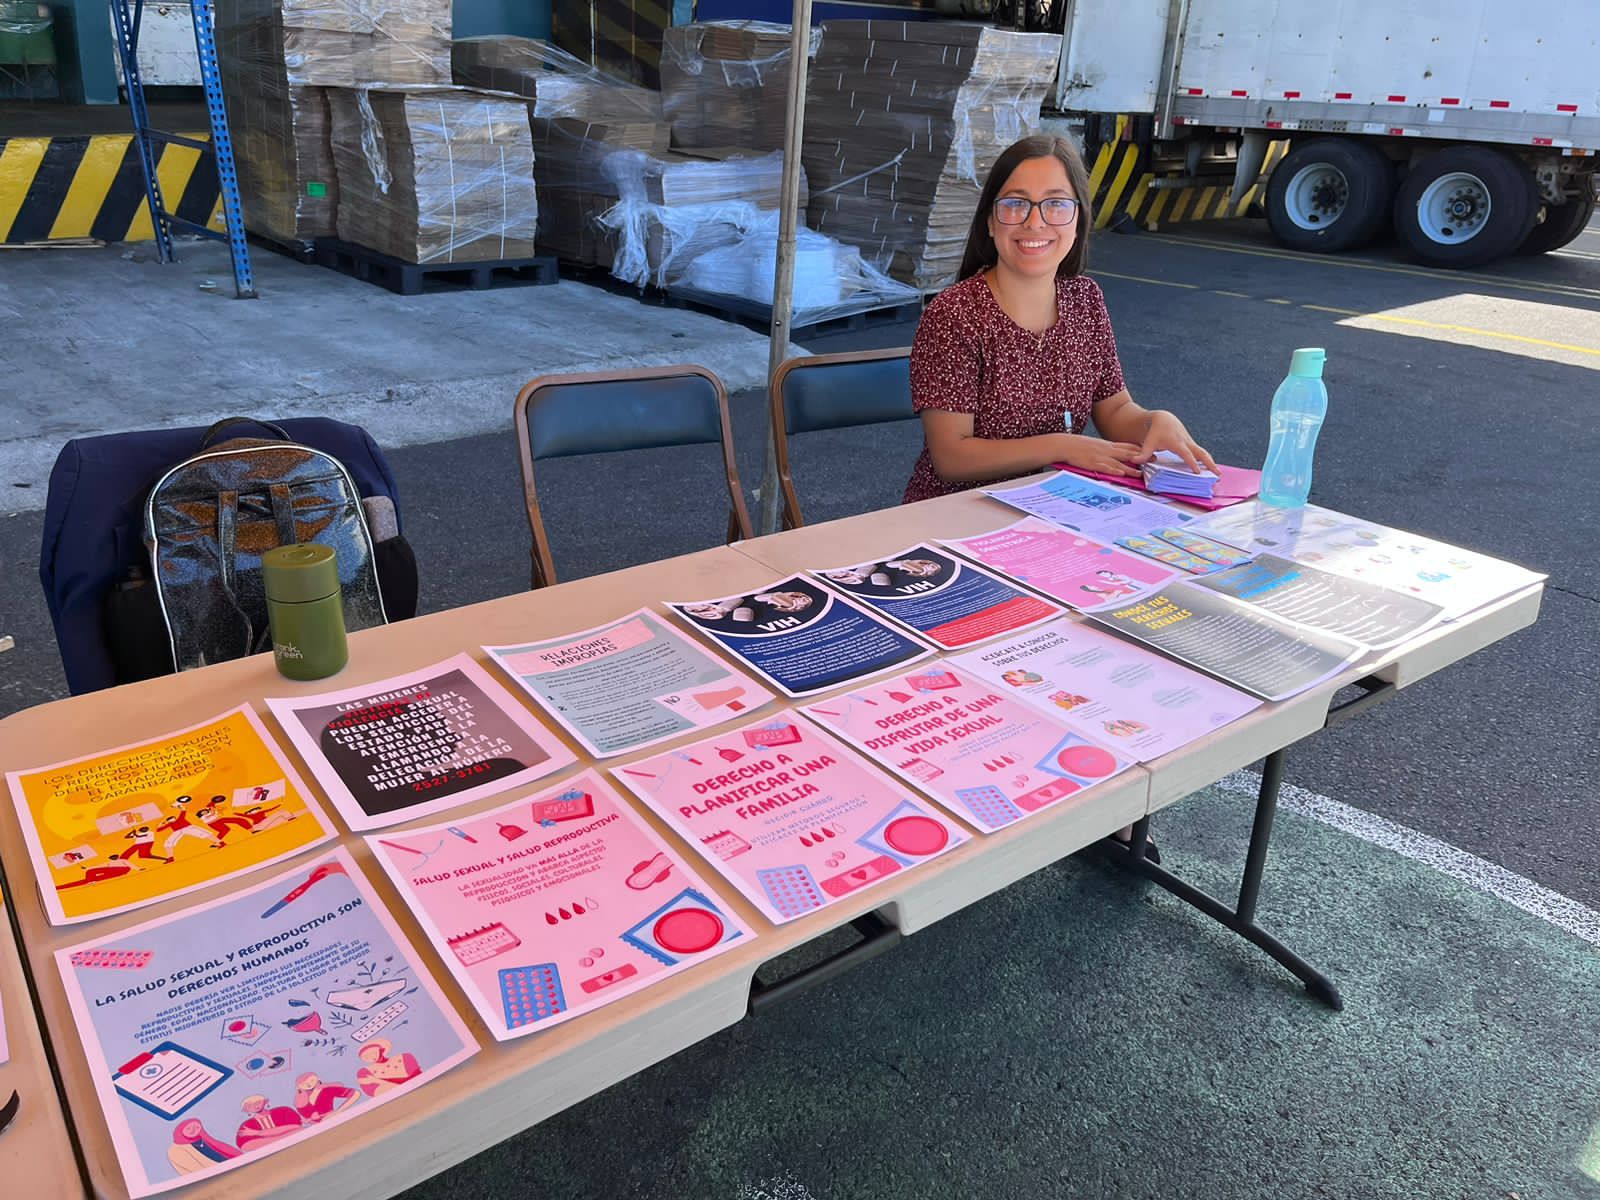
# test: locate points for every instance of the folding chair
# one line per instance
(559, 416)
(835, 391)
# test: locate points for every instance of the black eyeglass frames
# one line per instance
(1056, 210)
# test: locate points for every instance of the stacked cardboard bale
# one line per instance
(903, 121)
(726, 83)
(277, 56)
(579, 117)
(430, 175)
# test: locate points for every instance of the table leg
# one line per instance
(1242, 920)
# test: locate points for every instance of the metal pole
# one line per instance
(788, 218)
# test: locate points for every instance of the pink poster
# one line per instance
(1065, 565)
(789, 815)
(555, 904)
(987, 757)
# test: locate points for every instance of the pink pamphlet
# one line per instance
(1065, 565)
(789, 814)
(1234, 485)
(989, 758)
(555, 904)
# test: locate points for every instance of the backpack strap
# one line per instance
(227, 545)
(282, 513)
(210, 435)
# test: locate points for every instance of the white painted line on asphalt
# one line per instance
(1530, 897)
(785, 1188)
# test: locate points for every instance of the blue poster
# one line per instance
(954, 604)
(230, 1030)
(801, 636)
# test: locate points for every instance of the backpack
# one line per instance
(121, 614)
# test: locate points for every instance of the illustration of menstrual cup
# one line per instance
(512, 832)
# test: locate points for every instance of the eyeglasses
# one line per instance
(1056, 210)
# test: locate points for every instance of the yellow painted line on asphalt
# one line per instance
(1343, 312)
(1358, 264)
(1472, 331)
(1275, 300)
(1193, 287)
(1235, 295)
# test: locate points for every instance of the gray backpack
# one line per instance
(209, 519)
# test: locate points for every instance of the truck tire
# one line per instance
(1561, 224)
(1464, 206)
(1330, 194)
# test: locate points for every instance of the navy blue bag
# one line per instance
(93, 564)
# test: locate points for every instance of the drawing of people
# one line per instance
(263, 1124)
(181, 825)
(317, 1101)
(711, 610)
(920, 567)
(259, 819)
(785, 602)
(1068, 701)
(144, 844)
(1017, 677)
(1125, 727)
(382, 1071)
(114, 868)
(193, 1149)
(849, 575)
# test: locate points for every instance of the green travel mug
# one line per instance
(305, 611)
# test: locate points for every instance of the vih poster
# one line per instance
(118, 829)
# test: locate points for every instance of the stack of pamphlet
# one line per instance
(1167, 474)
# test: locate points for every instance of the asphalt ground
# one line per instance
(1083, 1035)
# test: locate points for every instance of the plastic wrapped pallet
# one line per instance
(559, 84)
(341, 43)
(726, 83)
(670, 206)
(896, 168)
(574, 187)
(430, 175)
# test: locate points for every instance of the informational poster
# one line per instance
(1302, 595)
(985, 756)
(801, 636)
(1118, 694)
(1189, 552)
(950, 602)
(1097, 509)
(221, 1034)
(629, 684)
(790, 815)
(1074, 569)
(1458, 581)
(119, 829)
(1245, 648)
(418, 744)
(555, 905)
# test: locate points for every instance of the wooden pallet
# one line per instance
(413, 279)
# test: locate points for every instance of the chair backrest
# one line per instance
(835, 391)
(94, 521)
(601, 412)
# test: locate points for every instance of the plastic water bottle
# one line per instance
(1298, 407)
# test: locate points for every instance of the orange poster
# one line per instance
(123, 828)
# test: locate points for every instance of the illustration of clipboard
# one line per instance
(169, 1080)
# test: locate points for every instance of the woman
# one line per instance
(1013, 363)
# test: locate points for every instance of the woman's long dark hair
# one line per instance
(981, 253)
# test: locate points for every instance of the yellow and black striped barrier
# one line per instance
(1122, 183)
(621, 35)
(54, 188)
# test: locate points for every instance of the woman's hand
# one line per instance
(1097, 454)
(1166, 432)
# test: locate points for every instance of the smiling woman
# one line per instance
(1012, 364)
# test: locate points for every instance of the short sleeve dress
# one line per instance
(970, 357)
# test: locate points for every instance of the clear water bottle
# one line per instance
(1298, 407)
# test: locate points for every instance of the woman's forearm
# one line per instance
(973, 459)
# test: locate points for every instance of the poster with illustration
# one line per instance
(1456, 579)
(221, 1034)
(629, 684)
(1364, 612)
(1118, 694)
(119, 829)
(801, 636)
(1248, 649)
(1097, 509)
(950, 602)
(419, 743)
(556, 904)
(982, 754)
(1068, 566)
(789, 815)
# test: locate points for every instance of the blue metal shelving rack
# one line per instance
(126, 15)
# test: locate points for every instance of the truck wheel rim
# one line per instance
(1454, 208)
(1317, 196)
